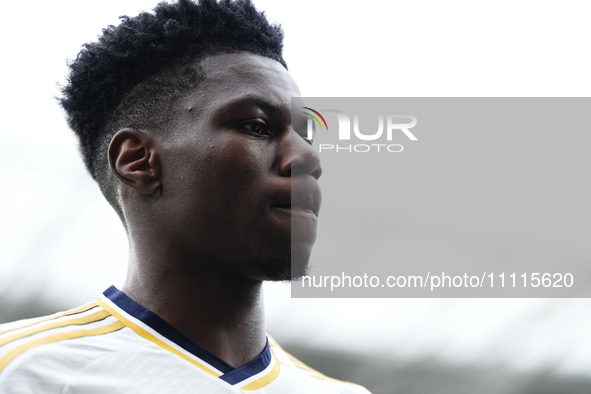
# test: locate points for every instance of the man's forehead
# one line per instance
(246, 71)
(233, 77)
(241, 64)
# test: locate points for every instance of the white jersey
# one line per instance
(115, 346)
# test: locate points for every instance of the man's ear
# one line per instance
(133, 160)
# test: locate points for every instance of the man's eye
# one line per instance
(257, 128)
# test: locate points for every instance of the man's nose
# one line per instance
(299, 158)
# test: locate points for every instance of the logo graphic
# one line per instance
(388, 124)
(310, 128)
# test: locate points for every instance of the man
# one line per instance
(184, 121)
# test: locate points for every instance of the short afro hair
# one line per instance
(132, 75)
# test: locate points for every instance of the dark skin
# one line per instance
(208, 204)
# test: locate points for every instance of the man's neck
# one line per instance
(222, 313)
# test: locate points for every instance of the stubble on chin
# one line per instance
(278, 268)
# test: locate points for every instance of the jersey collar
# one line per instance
(251, 376)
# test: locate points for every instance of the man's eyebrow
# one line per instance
(254, 101)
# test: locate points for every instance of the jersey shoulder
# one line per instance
(38, 355)
(288, 361)
(92, 347)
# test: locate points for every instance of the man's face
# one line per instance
(229, 169)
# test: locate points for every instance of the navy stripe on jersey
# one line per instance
(156, 323)
(229, 374)
(250, 369)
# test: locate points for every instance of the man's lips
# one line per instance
(301, 197)
(299, 211)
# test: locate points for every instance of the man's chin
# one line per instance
(283, 268)
(299, 264)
